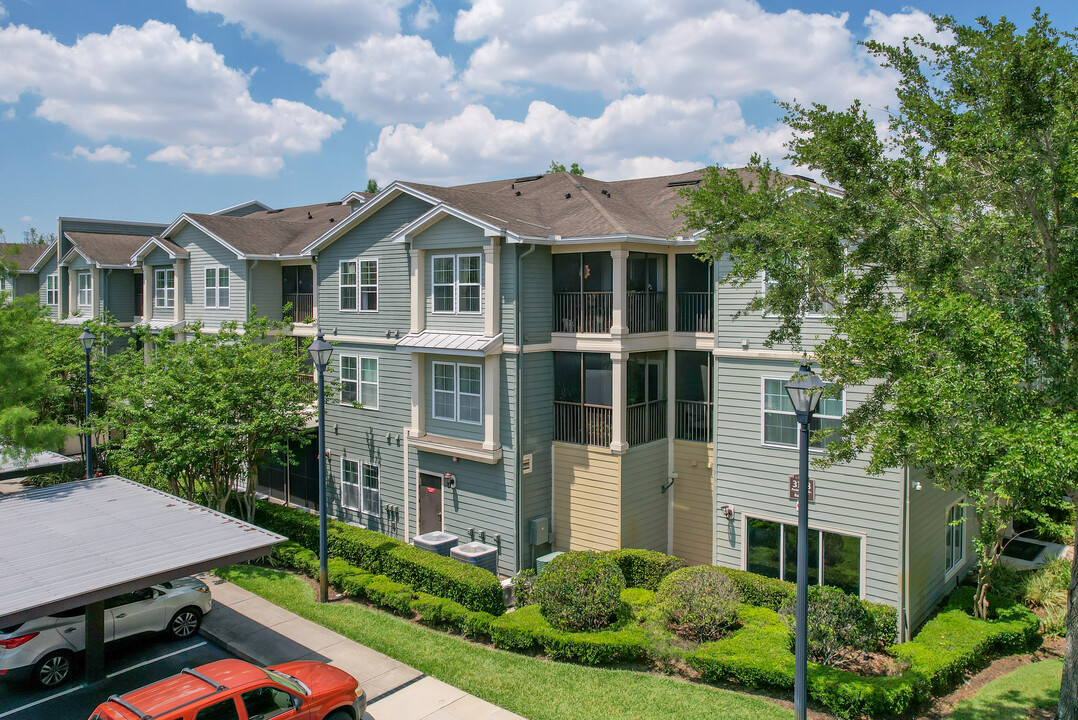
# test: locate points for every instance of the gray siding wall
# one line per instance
(537, 393)
(149, 272)
(118, 294)
(157, 256)
(753, 478)
(537, 283)
(42, 286)
(25, 285)
(451, 237)
(643, 505)
(117, 227)
(205, 252)
(450, 428)
(243, 210)
(730, 333)
(507, 290)
(265, 283)
(370, 240)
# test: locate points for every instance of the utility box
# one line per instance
(542, 562)
(437, 542)
(539, 530)
(478, 554)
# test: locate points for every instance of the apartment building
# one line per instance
(543, 363)
(18, 268)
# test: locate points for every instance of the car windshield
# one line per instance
(287, 681)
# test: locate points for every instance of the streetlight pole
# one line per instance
(804, 394)
(86, 339)
(320, 352)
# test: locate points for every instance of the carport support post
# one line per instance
(95, 641)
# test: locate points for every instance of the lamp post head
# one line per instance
(804, 391)
(320, 352)
(87, 340)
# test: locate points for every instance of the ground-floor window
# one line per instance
(834, 559)
(350, 484)
(371, 504)
(956, 536)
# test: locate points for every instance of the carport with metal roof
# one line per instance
(80, 543)
(33, 464)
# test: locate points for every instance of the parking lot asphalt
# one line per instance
(129, 664)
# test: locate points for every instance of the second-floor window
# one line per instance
(458, 393)
(456, 282)
(368, 285)
(217, 295)
(348, 289)
(164, 288)
(85, 281)
(780, 423)
(359, 381)
(52, 289)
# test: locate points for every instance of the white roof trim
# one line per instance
(40, 262)
(390, 192)
(450, 343)
(66, 259)
(185, 219)
(222, 211)
(355, 195)
(442, 211)
(142, 252)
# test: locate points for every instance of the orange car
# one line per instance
(238, 690)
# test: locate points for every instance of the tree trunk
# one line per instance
(1068, 691)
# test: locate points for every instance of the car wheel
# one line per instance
(185, 623)
(339, 715)
(53, 669)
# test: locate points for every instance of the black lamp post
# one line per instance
(87, 341)
(804, 394)
(321, 351)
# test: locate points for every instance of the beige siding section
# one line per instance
(587, 498)
(643, 504)
(693, 491)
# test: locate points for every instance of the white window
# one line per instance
(456, 282)
(350, 484)
(85, 281)
(834, 559)
(956, 536)
(349, 379)
(52, 289)
(458, 393)
(348, 285)
(780, 423)
(368, 285)
(217, 295)
(359, 381)
(164, 288)
(370, 496)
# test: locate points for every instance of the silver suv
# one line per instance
(43, 650)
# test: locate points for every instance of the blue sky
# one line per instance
(142, 110)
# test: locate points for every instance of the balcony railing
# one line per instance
(583, 312)
(693, 420)
(693, 312)
(583, 424)
(302, 306)
(645, 422)
(646, 311)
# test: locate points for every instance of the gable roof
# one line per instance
(24, 256)
(109, 250)
(243, 208)
(174, 251)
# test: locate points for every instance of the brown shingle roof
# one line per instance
(22, 255)
(284, 232)
(107, 248)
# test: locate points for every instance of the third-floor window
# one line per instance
(456, 282)
(217, 295)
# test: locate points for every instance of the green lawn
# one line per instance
(533, 687)
(1013, 695)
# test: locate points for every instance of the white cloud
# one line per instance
(892, 29)
(105, 153)
(25, 218)
(425, 15)
(3, 11)
(305, 30)
(150, 83)
(398, 78)
(9, 114)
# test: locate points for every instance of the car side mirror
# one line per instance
(297, 703)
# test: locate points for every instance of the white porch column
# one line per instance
(671, 293)
(314, 292)
(419, 387)
(147, 292)
(493, 308)
(95, 291)
(72, 291)
(177, 312)
(415, 281)
(618, 325)
(620, 382)
(491, 401)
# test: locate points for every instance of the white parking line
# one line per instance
(27, 706)
(153, 660)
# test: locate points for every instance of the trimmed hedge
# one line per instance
(644, 568)
(378, 554)
(579, 590)
(526, 630)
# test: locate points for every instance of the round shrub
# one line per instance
(579, 591)
(840, 629)
(698, 602)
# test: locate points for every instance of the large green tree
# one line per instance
(947, 265)
(203, 414)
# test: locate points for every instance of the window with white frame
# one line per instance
(956, 535)
(370, 497)
(368, 285)
(217, 294)
(456, 282)
(349, 379)
(348, 287)
(834, 558)
(164, 288)
(458, 392)
(368, 382)
(780, 423)
(350, 496)
(52, 289)
(86, 287)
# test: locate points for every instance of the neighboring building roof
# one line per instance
(106, 249)
(35, 464)
(268, 233)
(23, 255)
(243, 208)
(71, 544)
(449, 343)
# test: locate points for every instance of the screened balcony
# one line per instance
(645, 398)
(693, 396)
(583, 411)
(297, 293)
(583, 293)
(645, 296)
(695, 295)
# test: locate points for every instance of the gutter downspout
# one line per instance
(904, 577)
(517, 438)
(105, 292)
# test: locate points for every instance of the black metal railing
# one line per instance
(645, 422)
(302, 306)
(692, 420)
(646, 311)
(583, 424)
(583, 312)
(693, 311)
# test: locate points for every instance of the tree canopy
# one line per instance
(557, 167)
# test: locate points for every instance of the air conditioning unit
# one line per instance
(437, 542)
(542, 562)
(478, 554)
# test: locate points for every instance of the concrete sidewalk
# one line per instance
(263, 633)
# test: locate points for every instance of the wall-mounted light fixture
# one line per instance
(450, 480)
